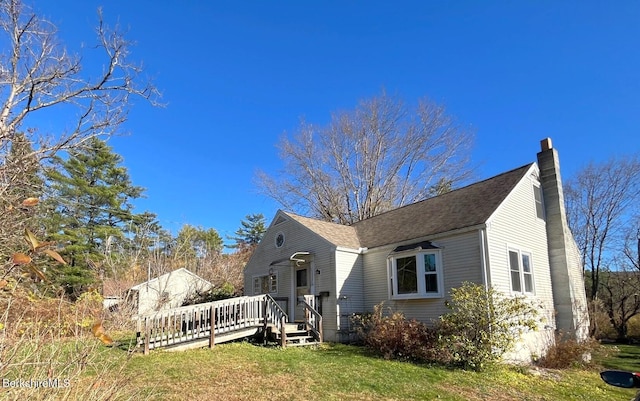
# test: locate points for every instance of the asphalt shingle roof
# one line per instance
(337, 234)
(464, 207)
(460, 208)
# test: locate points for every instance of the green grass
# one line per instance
(621, 357)
(241, 371)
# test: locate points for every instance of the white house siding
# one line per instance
(461, 262)
(297, 239)
(515, 225)
(350, 288)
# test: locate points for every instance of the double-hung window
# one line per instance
(537, 197)
(265, 284)
(521, 270)
(417, 275)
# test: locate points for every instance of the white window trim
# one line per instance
(392, 282)
(520, 252)
(535, 203)
(272, 290)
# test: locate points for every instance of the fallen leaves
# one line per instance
(20, 259)
(30, 202)
(99, 333)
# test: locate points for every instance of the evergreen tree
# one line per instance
(250, 232)
(90, 210)
(196, 243)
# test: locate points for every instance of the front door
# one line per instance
(302, 288)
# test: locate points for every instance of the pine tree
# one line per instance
(90, 210)
(250, 232)
(196, 243)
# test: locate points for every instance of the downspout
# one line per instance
(484, 263)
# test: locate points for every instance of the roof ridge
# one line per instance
(445, 194)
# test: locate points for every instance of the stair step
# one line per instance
(299, 341)
(299, 338)
(289, 328)
(294, 327)
(302, 344)
(297, 333)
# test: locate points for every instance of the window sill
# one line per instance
(416, 296)
(523, 294)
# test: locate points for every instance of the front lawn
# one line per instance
(241, 371)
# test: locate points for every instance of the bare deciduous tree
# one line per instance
(381, 155)
(632, 246)
(620, 297)
(37, 74)
(600, 202)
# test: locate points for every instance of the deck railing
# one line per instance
(274, 314)
(187, 323)
(312, 318)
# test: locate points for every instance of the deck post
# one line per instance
(264, 320)
(283, 332)
(212, 335)
(138, 331)
(147, 334)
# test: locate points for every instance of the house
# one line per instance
(166, 291)
(509, 232)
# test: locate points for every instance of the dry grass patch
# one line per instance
(241, 371)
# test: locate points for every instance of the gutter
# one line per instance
(358, 251)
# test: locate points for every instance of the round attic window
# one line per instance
(279, 239)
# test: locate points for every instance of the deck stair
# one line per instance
(296, 334)
(212, 323)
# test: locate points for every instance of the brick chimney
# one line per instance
(564, 258)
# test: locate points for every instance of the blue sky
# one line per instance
(237, 75)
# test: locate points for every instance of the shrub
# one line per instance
(50, 341)
(213, 294)
(568, 352)
(483, 324)
(395, 337)
(30, 314)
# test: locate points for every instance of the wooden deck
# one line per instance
(191, 326)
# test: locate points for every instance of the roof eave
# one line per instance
(435, 236)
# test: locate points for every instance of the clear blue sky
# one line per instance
(237, 74)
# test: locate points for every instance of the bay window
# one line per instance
(417, 275)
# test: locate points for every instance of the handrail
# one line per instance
(274, 313)
(206, 320)
(166, 312)
(313, 320)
